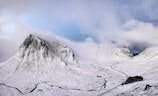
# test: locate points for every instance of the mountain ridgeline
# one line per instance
(51, 68)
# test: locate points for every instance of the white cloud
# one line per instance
(141, 32)
(106, 20)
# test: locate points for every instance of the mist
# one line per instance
(83, 23)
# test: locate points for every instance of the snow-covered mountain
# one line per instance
(52, 64)
(44, 68)
(34, 52)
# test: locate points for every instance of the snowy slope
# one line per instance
(52, 64)
(145, 65)
(42, 68)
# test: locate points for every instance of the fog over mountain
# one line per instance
(103, 21)
(78, 48)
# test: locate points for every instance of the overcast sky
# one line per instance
(102, 21)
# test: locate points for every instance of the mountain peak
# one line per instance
(34, 46)
(34, 41)
(28, 40)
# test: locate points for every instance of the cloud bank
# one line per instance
(107, 22)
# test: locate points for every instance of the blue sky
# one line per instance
(78, 20)
(103, 21)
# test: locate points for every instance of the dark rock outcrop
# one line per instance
(133, 79)
(147, 87)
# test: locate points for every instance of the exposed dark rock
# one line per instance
(133, 79)
(28, 41)
(147, 87)
(99, 76)
(35, 42)
(104, 84)
(136, 48)
(34, 45)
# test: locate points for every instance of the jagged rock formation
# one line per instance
(34, 52)
(34, 44)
